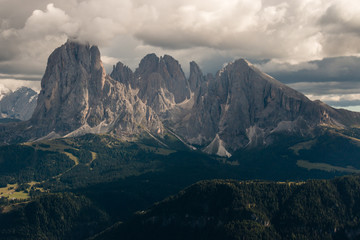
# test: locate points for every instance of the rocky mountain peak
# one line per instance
(175, 79)
(161, 82)
(238, 107)
(63, 99)
(123, 74)
(243, 107)
(196, 77)
(77, 95)
(148, 64)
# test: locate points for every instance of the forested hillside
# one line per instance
(228, 209)
(54, 216)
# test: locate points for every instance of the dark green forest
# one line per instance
(228, 209)
(52, 216)
(111, 179)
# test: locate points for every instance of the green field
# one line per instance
(326, 167)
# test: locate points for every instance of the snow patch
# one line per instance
(217, 147)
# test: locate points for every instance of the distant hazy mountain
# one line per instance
(239, 107)
(3, 91)
(19, 104)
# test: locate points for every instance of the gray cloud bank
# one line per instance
(335, 81)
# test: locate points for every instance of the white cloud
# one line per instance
(52, 21)
(11, 84)
(278, 66)
(3, 91)
(353, 108)
(335, 97)
(288, 33)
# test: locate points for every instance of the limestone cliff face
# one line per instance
(196, 77)
(122, 74)
(238, 107)
(244, 107)
(76, 94)
(161, 83)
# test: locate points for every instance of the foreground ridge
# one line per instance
(229, 209)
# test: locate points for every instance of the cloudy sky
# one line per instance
(312, 45)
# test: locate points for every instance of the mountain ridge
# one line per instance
(237, 108)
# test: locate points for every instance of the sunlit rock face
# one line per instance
(76, 94)
(161, 82)
(243, 107)
(239, 107)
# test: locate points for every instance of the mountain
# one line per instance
(161, 82)
(240, 107)
(122, 142)
(244, 107)
(228, 209)
(53, 216)
(196, 77)
(78, 97)
(19, 104)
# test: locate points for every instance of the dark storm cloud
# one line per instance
(339, 69)
(335, 81)
(343, 103)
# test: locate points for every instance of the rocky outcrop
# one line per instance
(244, 107)
(122, 74)
(196, 77)
(19, 104)
(78, 97)
(239, 107)
(161, 83)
